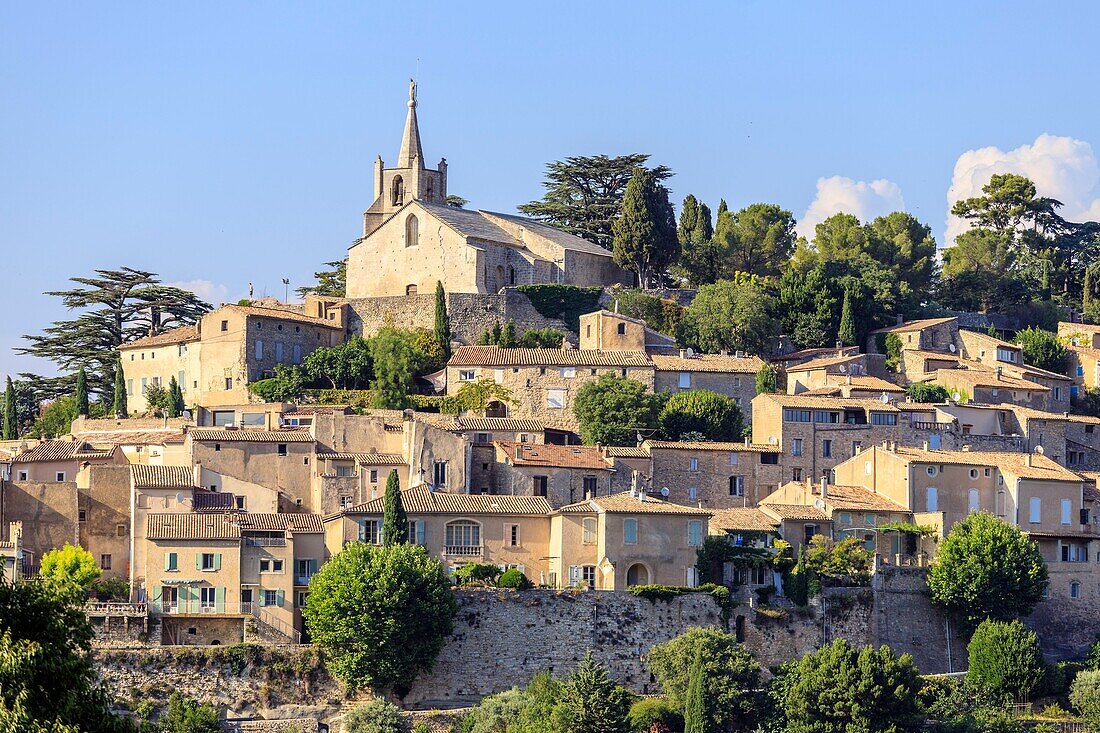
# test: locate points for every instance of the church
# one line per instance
(412, 238)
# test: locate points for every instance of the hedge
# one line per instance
(566, 302)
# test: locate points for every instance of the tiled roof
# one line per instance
(934, 355)
(191, 526)
(565, 240)
(715, 363)
(829, 403)
(794, 512)
(863, 381)
(299, 523)
(1027, 371)
(250, 436)
(424, 501)
(1030, 413)
(626, 451)
(136, 424)
(1041, 466)
(1081, 327)
(490, 424)
(283, 315)
(914, 325)
(807, 366)
(161, 477)
(128, 437)
(367, 459)
(320, 410)
(624, 503)
(181, 335)
(987, 378)
(812, 353)
(857, 498)
(470, 223)
(564, 456)
(1092, 485)
(742, 520)
(62, 450)
(496, 356)
(716, 446)
(214, 501)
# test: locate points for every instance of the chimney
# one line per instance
(747, 441)
(683, 353)
(925, 445)
(965, 448)
(998, 373)
(196, 474)
(1027, 460)
(824, 486)
(848, 379)
(641, 493)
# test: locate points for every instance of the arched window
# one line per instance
(410, 290)
(974, 500)
(1075, 589)
(398, 191)
(463, 537)
(496, 408)
(412, 231)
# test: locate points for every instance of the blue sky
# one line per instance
(222, 144)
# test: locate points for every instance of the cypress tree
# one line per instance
(722, 208)
(82, 392)
(120, 391)
(395, 522)
(847, 332)
(704, 228)
(695, 708)
(494, 335)
(596, 703)
(689, 221)
(508, 335)
(645, 238)
(11, 417)
(442, 320)
(175, 399)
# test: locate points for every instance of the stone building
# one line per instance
(991, 386)
(712, 475)
(507, 531)
(562, 474)
(413, 238)
(1083, 342)
(630, 538)
(543, 382)
(215, 360)
(733, 375)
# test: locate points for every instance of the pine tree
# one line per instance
(644, 235)
(120, 391)
(442, 320)
(596, 704)
(847, 332)
(695, 708)
(722, 208)
(175, 405)
(11, 416)
(395, 522)
(82, 392)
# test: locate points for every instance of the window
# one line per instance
(225, 325)
(209, 561)
(171, 562)
(685, 380)
(539, 485)
(630, 531)
(259, 350)
(462, 534)
(568, 372)
(737, 485)
(279, 351)
(1057, 393)
(1035, 510)
(229, 382)
(693, 493)
(1075, 589)
(1004, 354)
(296, 353)
(870, 520)
(466, 375)
(587, 574)
(588, 525)
(345, 502)
(105, 562)
(129, 386)
(844, 518)
(301, 597)
(374, 475)
(412, 231)
(826, 417)
(826, 449)
(511, 535)
(345, 470)
(790, 415)
(271, 598)
(931, 499)
(884, 418)
(931, 470)
(796, 474)
(695, 533)
(693, 464)
(1080, 371)
(555, 399)
(439, 474)
(270, 565)
(796, 447)
(973, 500)
(120, 530)
(60, 476)
(416, 532)
(370, 531)
(588, 484)
(23, 475)
(733, 459)
(692, 577)
(282, 449)
(481, 438)
(1067, 511)
(410, 289)
(621, 329)
(144, 384)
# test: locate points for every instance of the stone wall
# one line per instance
(906, 621)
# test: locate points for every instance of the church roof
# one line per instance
(565, 240)
(470, 223)
(411, 150)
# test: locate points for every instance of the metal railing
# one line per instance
(197, 607)
(302, 579)
(265, 541)
(96, 608)
(466, 550)
(923, 425)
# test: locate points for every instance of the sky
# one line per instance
(229, 143)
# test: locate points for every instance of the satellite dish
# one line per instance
(951, 348)
(819, 503)
(772, 440)
(885, 398)
(956, 396)
(689, 351)
(664, 492)
(1040, 450)
(843, 368)
(179, 498)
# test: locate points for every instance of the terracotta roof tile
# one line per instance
(62, 450)
(863, 381)
(181, 335)
(191, 526)
(914, 325)
(742, 520)
(490, 424)
(366, 459)
(250, 436)
(625, 451)
(1041, 466)
(857, 498)
(794, 512)
(823, 363)
(625, 503)
(829, 403)
(714, 363)
(987, 378)
(214, 501)
(283, 315)
(161, 477)
(709, 446)
(564, 456)
(495, 356)
(424, 501)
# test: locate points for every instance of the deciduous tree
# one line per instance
(612, 410)
(714, 415)
(1043, 349)
(1004, 658)
(727, 316)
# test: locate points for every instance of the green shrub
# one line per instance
(1004, 658)
(541, 338)
(1084, 695)
(477, 573)
(514, 578)
(655, 711)
(376, 716)
(114, 589)
(892, 344)
(661, 314)
(565, 302)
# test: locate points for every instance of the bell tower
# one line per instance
(409, 179)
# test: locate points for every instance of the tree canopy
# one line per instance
(715, 416)
(612, 410)
(380, 614)
(1004, 659)
(644, 236)
(330, 283)
(731, 317)
(1043, 349)
(584, 194)
(70, 566)
(987, 569)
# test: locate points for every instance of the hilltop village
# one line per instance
(208, 526)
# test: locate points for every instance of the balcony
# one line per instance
(199, 608)
(265, 541)
(463, 550)
(935, 426)
(302, 579)
(95, 608)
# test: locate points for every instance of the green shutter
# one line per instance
(219, 600)
(263, 597)
(167, 561)
(198, 561)
(279, 598)
(217, 561)
(156, 594)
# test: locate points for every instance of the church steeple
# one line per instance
(411, 155)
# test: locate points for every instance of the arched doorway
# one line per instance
(496, 408)
(637, 574)
(410, 290)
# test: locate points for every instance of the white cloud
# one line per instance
(213, 293)
(843, 195)
(1061, 167)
